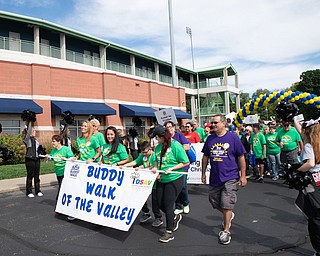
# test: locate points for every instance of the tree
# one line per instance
(310, 82)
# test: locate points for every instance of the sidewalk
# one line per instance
(10, 185)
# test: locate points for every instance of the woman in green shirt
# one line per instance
(169, 156)
(88, 146)
(59, 154)
(113, 152)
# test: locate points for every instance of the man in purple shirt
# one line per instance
(226, 154)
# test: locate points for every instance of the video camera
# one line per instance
(28, 116)
(295, 179)
(286, 111)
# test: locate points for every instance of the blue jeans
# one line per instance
(274, 161)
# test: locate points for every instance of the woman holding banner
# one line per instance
(88, 146)
(59, 154)
(113, 152)
(170, 159)
(95, 125)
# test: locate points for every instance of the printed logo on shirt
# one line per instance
(219, 151)
(286, 139)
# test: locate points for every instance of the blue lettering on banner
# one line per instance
(101, 190)
(66, 199)
(115, 212)
(104, 173)
(83, 204)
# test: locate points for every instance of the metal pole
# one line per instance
(189, 32)
(173, 60)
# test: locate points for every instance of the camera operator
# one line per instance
(310, 195)
(32, 160)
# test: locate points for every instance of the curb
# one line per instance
(10, 185)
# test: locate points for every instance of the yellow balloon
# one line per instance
(311, 101)
(297, 97)
(257, 100)
(281, 97)
(286, 94)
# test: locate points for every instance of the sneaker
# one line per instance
(157, 222)
(257, 177)
(39, 194)
(71, 218)
(232, 217)
(260, 179)
(186, 209)
(30, 195)
(145, 217)
(176, 222)
(167, 237)
(178, 211)
(275, 177)
(224, 237)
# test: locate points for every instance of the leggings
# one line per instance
(167, 194)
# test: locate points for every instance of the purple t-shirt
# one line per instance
(178, 136)
(223, 153)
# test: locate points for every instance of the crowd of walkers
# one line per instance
(234, 153)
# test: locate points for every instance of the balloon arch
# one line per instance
(269, 98)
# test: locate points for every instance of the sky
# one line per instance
(268, 42)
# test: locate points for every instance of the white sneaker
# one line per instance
(186, 209)
(31, 195)
(178, 211)
(39, 194)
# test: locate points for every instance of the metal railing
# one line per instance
(50, 51)
(83, 58)
(145, 73)
(118, 67)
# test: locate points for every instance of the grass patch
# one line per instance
(19, 170)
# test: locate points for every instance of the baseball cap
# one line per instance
(256, 125)
(159, 130)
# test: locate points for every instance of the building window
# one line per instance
(11, 126)
(140, 129)
(75, 130)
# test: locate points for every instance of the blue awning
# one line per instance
(81, 108)
(181, 114)
(17, 106)
(132, 110)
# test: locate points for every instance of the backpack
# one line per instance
(192, 155)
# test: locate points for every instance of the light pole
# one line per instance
(173, 59)
(189, 32)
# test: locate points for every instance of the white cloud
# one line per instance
(269, 42)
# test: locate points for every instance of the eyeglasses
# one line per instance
(216, 122)
(146, 151)
(188, 126)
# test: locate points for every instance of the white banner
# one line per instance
(104, 195)
(194, 172)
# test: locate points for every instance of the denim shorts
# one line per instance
(224, 196)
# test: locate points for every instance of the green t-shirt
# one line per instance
(175, 154)
(59, 165)
(257, 141)
(201, 133)
(87, 149)
(288, 139)
(121, 154)
(145, 161)
(272, 147)
(100, 138)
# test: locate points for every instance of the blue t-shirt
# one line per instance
(223, 153)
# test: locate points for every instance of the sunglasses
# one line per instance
(188, 126)
(216, 122)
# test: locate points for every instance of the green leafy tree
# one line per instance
(310, 82)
